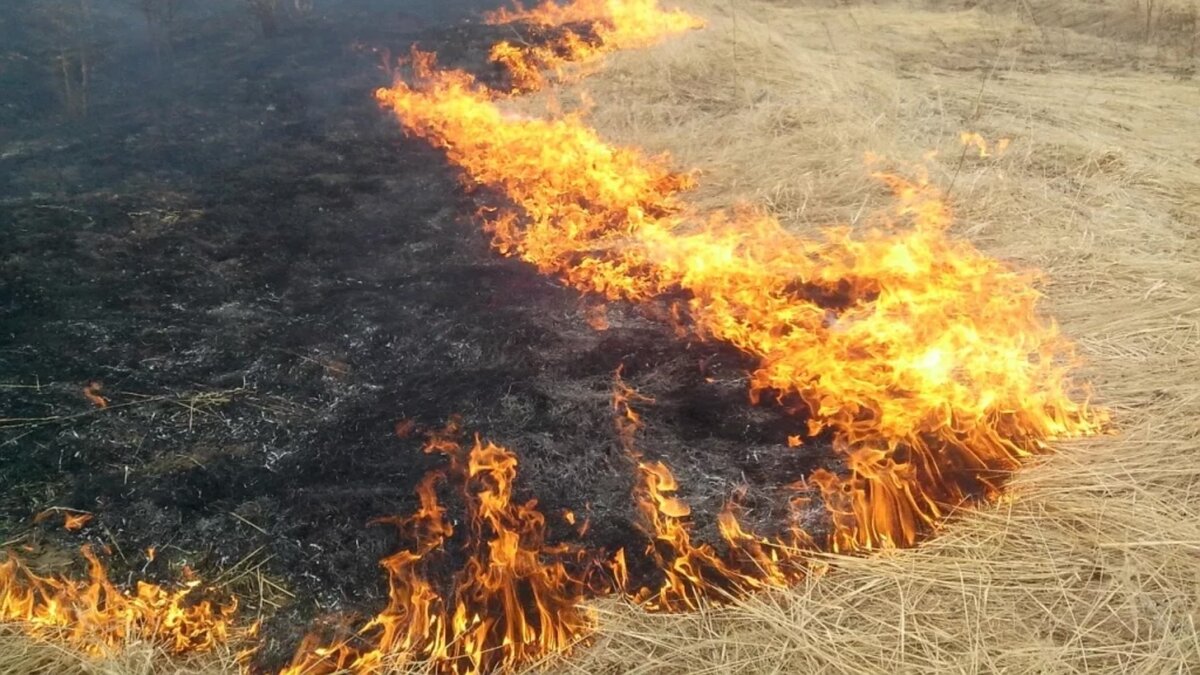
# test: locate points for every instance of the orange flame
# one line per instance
(692, 573)
(970, 139)
(610, 25)
(95, 616)
(511, 601)
(73, 520)
(597, 317)
(91, 392)
(925, 359)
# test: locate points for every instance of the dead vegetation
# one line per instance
(1170, 25)
(1093, 563)
(192, 404)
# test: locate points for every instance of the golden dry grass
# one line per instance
(21, 656)
(1093, 564)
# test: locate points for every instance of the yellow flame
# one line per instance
(96, 617)
(970, 139)
(693, 573)
(511, 601)
(924, 358)
(610, 25)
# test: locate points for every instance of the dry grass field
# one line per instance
(1092, 565)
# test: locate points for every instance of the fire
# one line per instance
(607, 25)
(73, 520)
(925, 360)
(692, 573)
(95, 616)
(970, 139)
(597, 317)
(91, 392)
(510, 601)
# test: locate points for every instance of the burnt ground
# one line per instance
(266, 277)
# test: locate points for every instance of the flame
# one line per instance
(510, 602)
(91, 391)
(405, 428)
(925, 360)
(597, 317)
(970, 139)
(73, 520)
(95, 617)
(692, 573)
(607, 25)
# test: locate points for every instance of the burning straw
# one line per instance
(925, 361)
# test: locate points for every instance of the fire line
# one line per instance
(925, 360)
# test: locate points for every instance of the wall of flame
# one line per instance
(925, 361)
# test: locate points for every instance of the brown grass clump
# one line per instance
(1093, 563)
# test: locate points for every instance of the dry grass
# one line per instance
(22, 656)
(1093, 565)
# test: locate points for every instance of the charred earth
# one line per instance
(269, 294)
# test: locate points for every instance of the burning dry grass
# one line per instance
(1093, 561)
